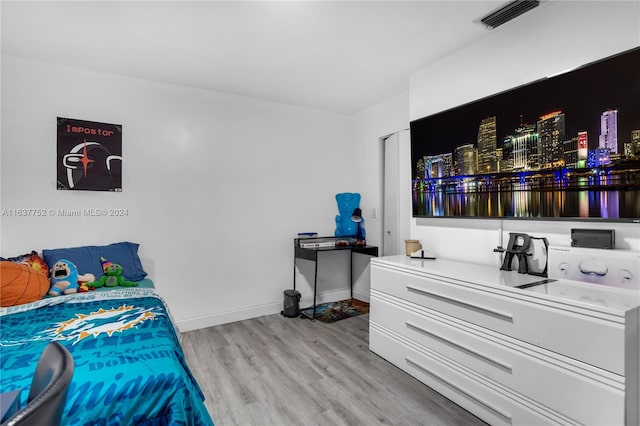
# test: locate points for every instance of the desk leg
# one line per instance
(315, 286)
(351, 275)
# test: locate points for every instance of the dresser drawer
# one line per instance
(460, 385)
(550, 379)
(594, 340)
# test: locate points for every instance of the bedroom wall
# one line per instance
(215, 186)
(553, 38)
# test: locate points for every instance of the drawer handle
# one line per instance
(460, 347)
(502, 315)
(507, 416)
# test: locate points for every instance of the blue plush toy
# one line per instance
(347, 203)
(65, 278)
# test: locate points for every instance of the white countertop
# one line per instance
(565, 291)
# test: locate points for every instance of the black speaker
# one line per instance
(593, 238)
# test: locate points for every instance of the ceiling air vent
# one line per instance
(508, 12)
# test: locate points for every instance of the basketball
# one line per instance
(21, 284)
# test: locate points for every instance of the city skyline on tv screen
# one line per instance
(511, 154)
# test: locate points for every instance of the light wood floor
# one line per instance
(274, 370)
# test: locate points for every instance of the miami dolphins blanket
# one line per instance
(129, 365)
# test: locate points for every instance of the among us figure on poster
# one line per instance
(89, 155)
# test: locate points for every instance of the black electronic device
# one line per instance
(438, 148)
(593, 238)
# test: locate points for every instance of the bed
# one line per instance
(129, 366)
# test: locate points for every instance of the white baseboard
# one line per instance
(262, 310)
(229, 316)
(365, 297)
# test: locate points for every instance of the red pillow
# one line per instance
(32, 260)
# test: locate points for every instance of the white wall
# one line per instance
(370, 125)
(556, 36)
(216, 186)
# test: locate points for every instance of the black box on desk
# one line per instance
(593, 238)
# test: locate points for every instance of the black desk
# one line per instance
(312, 254)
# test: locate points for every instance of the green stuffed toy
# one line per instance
(112, 276)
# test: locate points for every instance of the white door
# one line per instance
(390, 194)
(396, 192)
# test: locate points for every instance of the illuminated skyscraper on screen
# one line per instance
(487, 161)
(524, 148)
(466, 160)
(609, 131)
(633, 148)
(551, 140)
(583, 149)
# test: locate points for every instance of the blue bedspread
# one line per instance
(129, 366)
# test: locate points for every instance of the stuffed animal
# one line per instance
(347, 203)
(65, 278)
(112, 277)
(84, 287)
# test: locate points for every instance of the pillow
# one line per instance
(33, 260)
(21, 284)
(87, 259)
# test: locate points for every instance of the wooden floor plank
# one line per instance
(282, 371)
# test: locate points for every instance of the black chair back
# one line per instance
(48, 392)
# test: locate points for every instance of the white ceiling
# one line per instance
(339, 56)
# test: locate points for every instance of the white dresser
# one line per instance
(506, 349)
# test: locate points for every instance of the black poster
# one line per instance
(89, 155)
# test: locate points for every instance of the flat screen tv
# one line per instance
(564, 147)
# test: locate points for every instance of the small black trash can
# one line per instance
(291, 303)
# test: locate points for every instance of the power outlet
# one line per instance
(374, 213)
